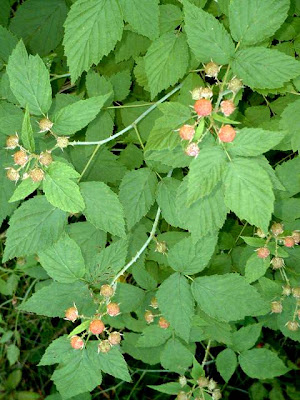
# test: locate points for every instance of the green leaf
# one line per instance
(76, 116)
(54, 299)
(40, 24)
(113, 363)
(7, 187)
(63, 260)
(24, 189)
(262, 68)
(197, 370)
(29, 80)
(246, 337)
(256, 267)
(290, 121)
(137, 194)
(253, 241)
(203, 28)
(80, 328)
(168, 388)
(142, 15)
(170, 16)
(130, 297)
(262, 364)
(205, 172)
(288, 314)
(153, 336)
(189, 256)
(60, 190)
(8, 42)
(166, 61)
(57, 351)
(248, 192)
(103, 208)
(12, 353)
(132, 45)
(245, 142)
(254, 21)
(238, 298)
(176, 303)
(176, 357)
(226, 363)
(92, 30)
(34, 226)
(27, 132)
(166, 199)
(121, 82)
(97, 85)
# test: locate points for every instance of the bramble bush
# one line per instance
(150, 198)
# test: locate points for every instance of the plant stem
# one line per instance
(206, 353)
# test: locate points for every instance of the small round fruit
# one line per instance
(217, 395)
(202, 381)
(45, 158)
(114, 338)
(36, 174)
(260, 233)
(62, 142)
(206, 93)
(211, 69)
(113, 309)
(203, 107)
(235, 85)
(161, 247)
(12, 142)
(212, 384)
(296, 292)
(45, 125)
(71, 314)
(77, 343)
(96, 327)
(12, 174)
(226, 134)
(196, 93)
(20, 157)
(292, 326)
(182, 396)
(277, 229)
(276, 307)
(286, 290)
(187, 132)
(104, 346)
(296, 236)
(192, 150)
(182, 381)
(277, 262)
(227, 107)
(106, 291)
(263, 252)
(154, 303)
(289, 241)
(149, 317)
(163, 323)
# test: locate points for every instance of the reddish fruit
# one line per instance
(289, 241)
(192, 150)
(71, 314)
(114, 338)
(296, 292)
(286, 290)
(202, 381)
(292, 326)
(212, 69)
(104, 346)
(277, 229)
(45, 125)
(235, 85)
(149, 317)
(12, 174)
(113, 309)
(45, 158)
(187, 132)
(277, 262)
(154, 303)
(77, 343)
(203, 107)
(276, 307)
(227, 134)
(62, 142)
(227, 107)
(163, 323)
(12, 142)
(96, 327)
(106, 291)
(36, 174)
(263, 252)
(20, 157)
(296, 236)
(161, 247)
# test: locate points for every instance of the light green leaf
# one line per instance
(7, 187)
(207, 37)
(40, 24)
(205, 172)
(254, 21)
(262, 364)
(27, 132)
(176, 303)
(8, 42)
(170, 16)
(33, 227)
(226, 363)
(166, 61)
(256, 267)
(76, 116)
(103, 208)
(80, 328)
(137, 194)
(290, 121)
(63, 260)
(24, 189)
(113, 363)
(168, 388)
(153, 336)
(130, 297)
(29, 80)
(176, 357)
(142, 15)
(262, 68)
(248, 192)
(131, 45)
(189, 256)
(97, 85)
(86, 37)
(246, 337)
(12, 353)
(238, 298)
(166, 199)
(287, 314)
(121, 82)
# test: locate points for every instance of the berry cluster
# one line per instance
(150, 316)
(203, 384)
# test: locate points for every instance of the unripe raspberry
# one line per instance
(114, 338)
(182, 396)
(106, 291)
(276, 307)
(235, 85)
(113, 309)
(206, 93)
(163, 323)
(192, 150)
(202, 381)
(21, 261)
(104, 346)
(277, 229)
(71, 314)
(20, 157)
(45, 125)
(12, 174)
(154, 303)
(292, 326)
(286, 290)
(212, 69)
(217, 395)
(36, 174)
(260, 233)
(203, 107)
(161, 247)
(62, 142)
(212, 384)
(227, 134)
(296, 236)
(96, 327)
(263, 252)
(45, 158)
(149, 317)
(227, 107)
(296, 292)
(187, 132)
(12, 142)
(277, 262)
(196, 93)
(77, 343)
(289, 241)
(182, 381)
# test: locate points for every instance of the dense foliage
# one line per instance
(149, 199)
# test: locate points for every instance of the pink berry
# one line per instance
(289, 241)
(263, 252)
(114, 338)
(227, 107)
(106, 291)
(20, 157)
(113, 309)
(187, 132)
(96, 327)
(203, 107)
(192, 150)
(163, 323)
(77, 343)
(227, 134)
(71, 314)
